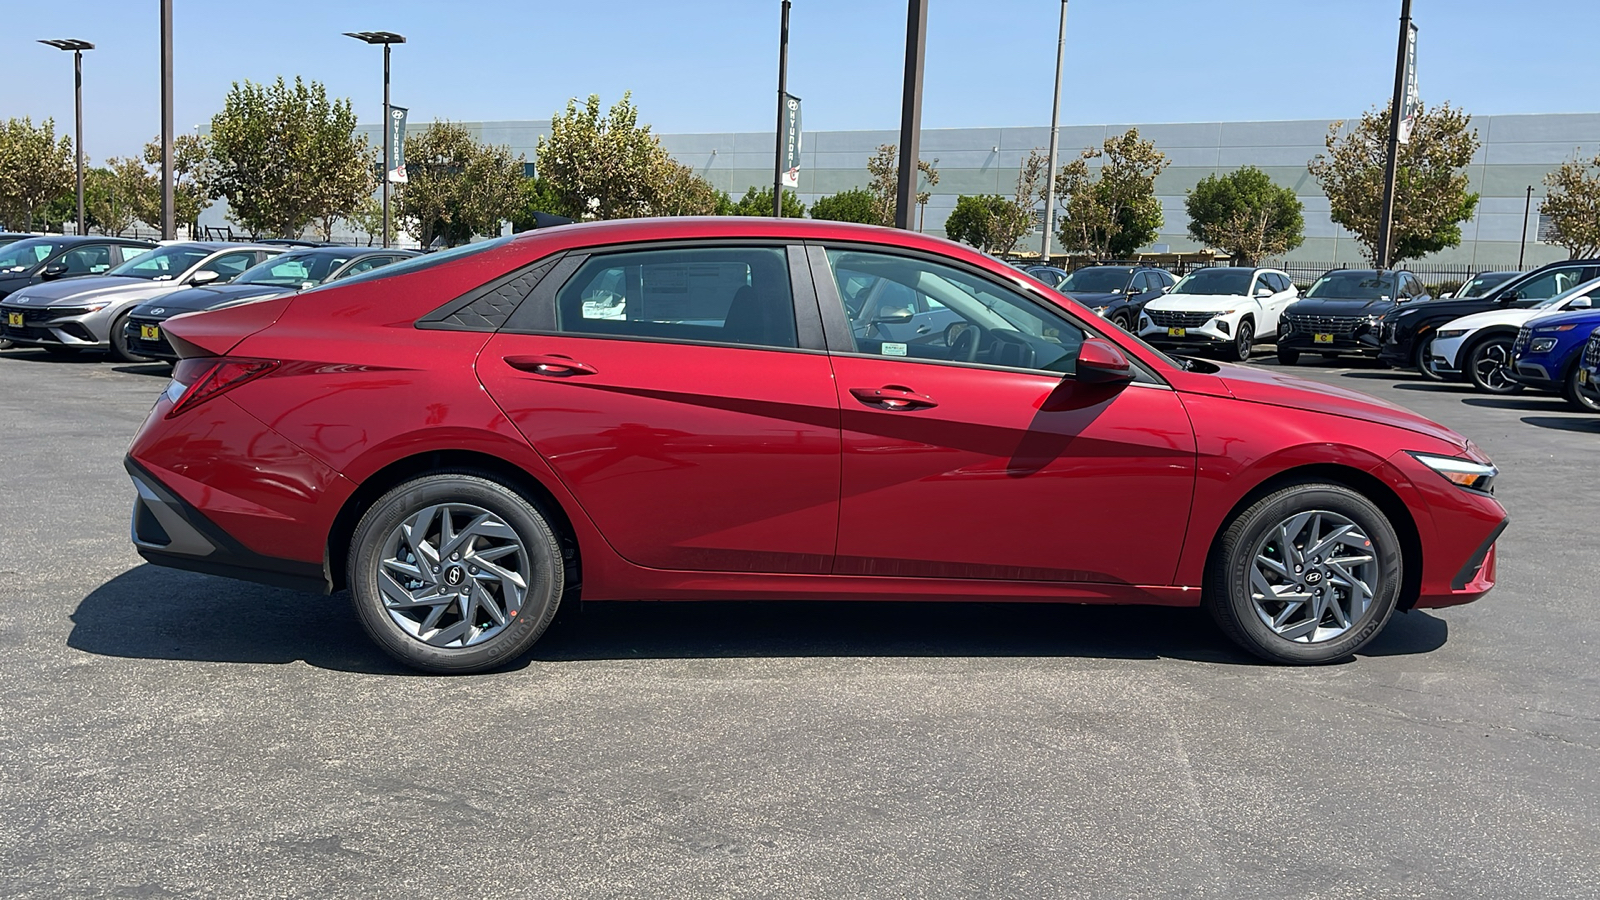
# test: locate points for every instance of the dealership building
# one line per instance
(1516, 153)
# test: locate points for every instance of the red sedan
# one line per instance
(737, 408)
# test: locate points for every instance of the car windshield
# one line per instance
(1353, 285)
(294, 269)
(25, 254)
(162, 263)
(1234, 281)
(1482, 284)
(1096, 280)
(1561, 298)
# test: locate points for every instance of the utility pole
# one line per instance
(1386, 223)
(783, 97)
(168, 212)
(76, 47)
(1055, 134)
(911, 112)
(1527, 205)
(385, 38)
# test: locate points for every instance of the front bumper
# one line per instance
(156, 348)
(41, 327)
(1342, 344)
(1539, 373)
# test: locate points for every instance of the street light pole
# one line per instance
(783, 92)
(77, 47)
(168, 212)
(1391, 165)
(385, 38)
(1055, 133)
(1527, 205)
(911, 112)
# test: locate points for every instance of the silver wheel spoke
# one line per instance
(1313, 576)
(453, 585)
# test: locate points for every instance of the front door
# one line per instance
(979, 456)
(674, 398)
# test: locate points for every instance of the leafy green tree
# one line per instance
(1573, 204)
(990, 222)
(1431, 197)
(883, 170)
(1111, 211)
(602, 165)
(35, 168)
(758, 202)
(118, 195)
(538, 196)
(680, 192)
(854, 205)
(1245, 214)
(458, 187)
(191, 160)
(285, 157)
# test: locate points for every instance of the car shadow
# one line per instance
(155, 369)
(1533, 404)
(1565, 423)
(1434, 387)
(1399, 375)
(155, 613)
(35, 355)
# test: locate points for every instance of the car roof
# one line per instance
(83, 239)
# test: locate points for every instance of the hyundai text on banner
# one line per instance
(397, 144)
(1410, 103)
(791, 141)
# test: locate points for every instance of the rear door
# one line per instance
(684, 403)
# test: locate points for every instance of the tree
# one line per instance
(601, 166)
(35, 168)
(884, 169)
(191, 163)
(989, 222)
(285, 157)
(367, 219)
(855, 205)
(1245, 214)
(1573, 205)
(119, 194)
(537, 196)
(758, 202)
(1111, 211)
(458, 187)
(1431, 197)
(678, 191)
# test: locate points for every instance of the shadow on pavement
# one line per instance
(161, 369)
(1565, 423)
(33, 354)
(1535, 403)
(1433, 387)
(155, 613)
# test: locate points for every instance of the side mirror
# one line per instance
(54, 270)
(895, 318)
(1263, 293)
(1510, 297)
(204, 276)
(1447, 295)
(1102, 362)
(1580, 303)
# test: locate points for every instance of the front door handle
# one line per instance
(894, 398)
(554, 365)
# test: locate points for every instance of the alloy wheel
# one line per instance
(1491, 367)
(453, 575)
(1313, 577)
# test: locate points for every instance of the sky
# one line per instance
(711, 65)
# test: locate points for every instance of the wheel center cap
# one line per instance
(1312, 577)
(454, 576)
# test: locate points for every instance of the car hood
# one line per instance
(198, 299)
(77, 291)
(1254, 385)
(1497, 316)
(1578, 317)
(1196, 302)
(1437, 310)
(1328, 306)
(1094, 298)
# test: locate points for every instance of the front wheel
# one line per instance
(119, 342)
(1307, 575)
(1424, 354)
(1489, 366)
(1288, 357)
(1123, 321)
(1244, 338)
(453, 573)
(1575, 395)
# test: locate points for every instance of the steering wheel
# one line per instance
(964, 343)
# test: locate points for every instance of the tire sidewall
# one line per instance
(1268, 513)
(1423, 354)
(1472, 365)
(119, 340)
(1576, 396)
(532, 527)
(1246, 338)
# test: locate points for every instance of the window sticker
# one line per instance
(893, 349)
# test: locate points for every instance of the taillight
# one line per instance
(194, 381)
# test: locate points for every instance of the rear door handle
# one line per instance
(554, 365)
(893, 397)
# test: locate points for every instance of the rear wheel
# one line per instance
(1307, 575)
(1243, 340)
(1424, 353)
(453, 573)
(1575, 395)
(119, 342)
(1489, 366)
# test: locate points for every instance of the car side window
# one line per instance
(90, 260)
(229, 266)
(1278, 281)
(729, 295)
(977, 321)
(128, 251)
(1141, 283)
(366, 265)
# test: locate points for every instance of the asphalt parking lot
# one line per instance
(171, 734)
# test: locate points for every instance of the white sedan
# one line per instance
(1484, 339)
(1225, 308)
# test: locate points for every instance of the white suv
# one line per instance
(1226, 308)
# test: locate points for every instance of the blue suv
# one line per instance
(1547, 352)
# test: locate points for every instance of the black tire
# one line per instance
(1124, 321)
(1576, 396)
(119, 342)
(1287, 357)
(1425, 350)
(546, 580)
(1228, 581)
(1243, 340)
(6, 344)
(1478, 366)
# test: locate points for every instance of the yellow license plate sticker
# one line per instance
(1177, 332)
(149, 332)
(1322, 339)
(14, 319)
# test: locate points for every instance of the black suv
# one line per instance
(1115, 293)
(1408, 333)
(1341, 312)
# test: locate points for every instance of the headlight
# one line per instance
(1225, 312)
(1463, 472)
(1100, 311)
(1449, 333)
(1542, 345)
